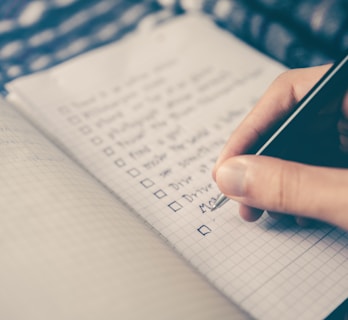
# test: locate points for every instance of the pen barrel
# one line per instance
(309, 134)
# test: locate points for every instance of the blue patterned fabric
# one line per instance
(298, 33)
(37, 34)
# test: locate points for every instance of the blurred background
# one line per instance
(36, 34)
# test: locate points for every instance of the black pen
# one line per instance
(330, 88)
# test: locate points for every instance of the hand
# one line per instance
(281, 187)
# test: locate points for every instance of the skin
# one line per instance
(286, 188)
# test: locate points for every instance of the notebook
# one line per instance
(107, 190)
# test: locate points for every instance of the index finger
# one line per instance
(274, 105)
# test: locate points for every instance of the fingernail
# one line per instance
(230, 178)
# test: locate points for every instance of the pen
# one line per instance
(328, 89)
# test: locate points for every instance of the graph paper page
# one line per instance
(147, 117)
(70, 251)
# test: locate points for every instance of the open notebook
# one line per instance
(120, 164)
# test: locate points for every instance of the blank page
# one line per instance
(147, 117)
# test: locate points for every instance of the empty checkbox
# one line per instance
(204, 230)
(97, 141)
(175, 206)
(147, 183)
(160, 194)
(133, 172)
(120, 163)
(85, 130)
(109, 151)
(74, 119)
(64, 110)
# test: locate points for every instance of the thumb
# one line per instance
(288, 187)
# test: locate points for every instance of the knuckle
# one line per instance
(285, 79)
(288, 183)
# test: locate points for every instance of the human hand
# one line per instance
(281, 187)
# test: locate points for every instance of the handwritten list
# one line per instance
(153, 128)
(156, 125)
(147, 118)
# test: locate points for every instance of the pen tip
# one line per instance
(220, 201)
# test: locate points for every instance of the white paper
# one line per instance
(147, 117)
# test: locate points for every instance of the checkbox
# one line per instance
(109, 151)
(160, 194)
(85, 130)
(204, 230)
(74, 119)
(120, 163)
(147, 183)
(64, 110)
(133, 172)
(97, 141)
(175, 206)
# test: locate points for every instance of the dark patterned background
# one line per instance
(36, 34)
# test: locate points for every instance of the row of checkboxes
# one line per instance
(109, 151)
(148, 183)
(133, 172)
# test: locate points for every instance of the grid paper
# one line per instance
(259, 265)
(70, 251)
